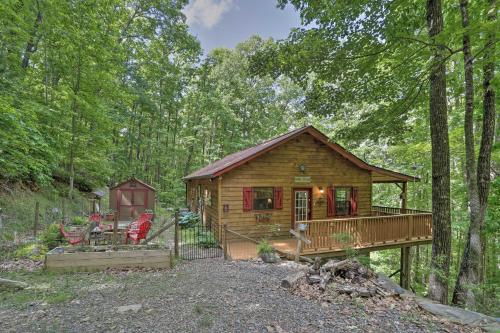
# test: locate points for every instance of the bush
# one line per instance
(207, 239)
(32, 251)
(189, 219)
(264, 247)
(51, 237)
(79, 220)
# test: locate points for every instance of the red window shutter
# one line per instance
(354, 201)
(278, 197)
(330, 201)
(247, 199)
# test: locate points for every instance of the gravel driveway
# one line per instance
(205, 296)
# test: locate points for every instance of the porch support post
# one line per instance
(404, 270)
(404, 196)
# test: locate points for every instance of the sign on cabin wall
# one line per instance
(263, 218)
(302, 179)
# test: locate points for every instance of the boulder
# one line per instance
(459, 315)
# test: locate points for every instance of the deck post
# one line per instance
(176, 234)
(404, 270)
(404, 197)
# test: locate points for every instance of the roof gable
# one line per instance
(133, 179)
(234, 160)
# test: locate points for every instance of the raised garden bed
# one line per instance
(95, 258)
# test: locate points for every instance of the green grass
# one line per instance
(45, 287)
(18, 208)
(206, 321)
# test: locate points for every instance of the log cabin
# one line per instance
(303, 178)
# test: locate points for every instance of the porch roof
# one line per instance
(226, 164)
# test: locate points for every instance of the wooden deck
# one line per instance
(245, 250)
(386, 228)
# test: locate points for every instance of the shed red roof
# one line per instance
(234, 160)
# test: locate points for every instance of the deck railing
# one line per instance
(359, 232)
(382, 210)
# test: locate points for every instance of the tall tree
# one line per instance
(469, 268)
(438, 115)
(478, 182)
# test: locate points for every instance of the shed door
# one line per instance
(131, 203)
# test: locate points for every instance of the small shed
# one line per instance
(130, 198)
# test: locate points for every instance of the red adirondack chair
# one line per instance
(73, 237)
(95, 217)
(137, 231)
(145, 216)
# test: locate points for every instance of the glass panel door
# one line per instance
(301, 206)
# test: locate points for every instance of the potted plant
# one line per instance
(266, 252)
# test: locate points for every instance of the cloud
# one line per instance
(207, 13)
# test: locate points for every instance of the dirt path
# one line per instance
(201, 296)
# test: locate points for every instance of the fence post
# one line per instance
(115, 229)
(37, 215)
(226, 254)
(176, 234)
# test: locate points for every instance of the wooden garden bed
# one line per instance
(101, 257)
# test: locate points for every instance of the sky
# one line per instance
(225, 23)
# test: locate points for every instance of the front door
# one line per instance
(302, 208)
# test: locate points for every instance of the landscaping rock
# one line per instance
(125, 308)
(391, 286)
(270, 258)
(459, 315)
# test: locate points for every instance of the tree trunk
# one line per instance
(478, 184)
(12, 284)
(32, 44)
(74, 118)
(489, 115)
(441, 222)
(472, 251)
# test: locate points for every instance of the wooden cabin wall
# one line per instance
(277, 168)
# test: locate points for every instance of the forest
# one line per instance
(93, 92)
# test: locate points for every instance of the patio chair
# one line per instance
(73, 237)
(137, 231)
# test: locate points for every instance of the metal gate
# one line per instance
(198, 242)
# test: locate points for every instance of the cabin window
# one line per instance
(263, 198)
(343, 200)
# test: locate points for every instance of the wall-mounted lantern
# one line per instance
(320, 200)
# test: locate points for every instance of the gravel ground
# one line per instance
(207, 295)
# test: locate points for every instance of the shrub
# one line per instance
(31, 251)
(189, 219)
(264, 247)
(51, 236)
(207, 239)
(79, 220)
